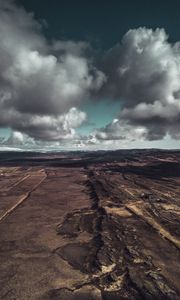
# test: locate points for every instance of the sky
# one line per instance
(89, 75)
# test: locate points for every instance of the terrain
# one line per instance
(90, 225)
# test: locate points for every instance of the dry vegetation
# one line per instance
(99, 225)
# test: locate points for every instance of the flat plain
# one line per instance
(90, 225)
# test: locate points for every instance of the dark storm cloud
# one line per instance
(144, 74)
(41, 82)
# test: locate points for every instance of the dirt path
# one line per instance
(30, 267)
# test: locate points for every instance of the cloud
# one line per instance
(17, 138)
(119, 130)
(47, 128)
(144, 75)
(39, 81)
(43, 84)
